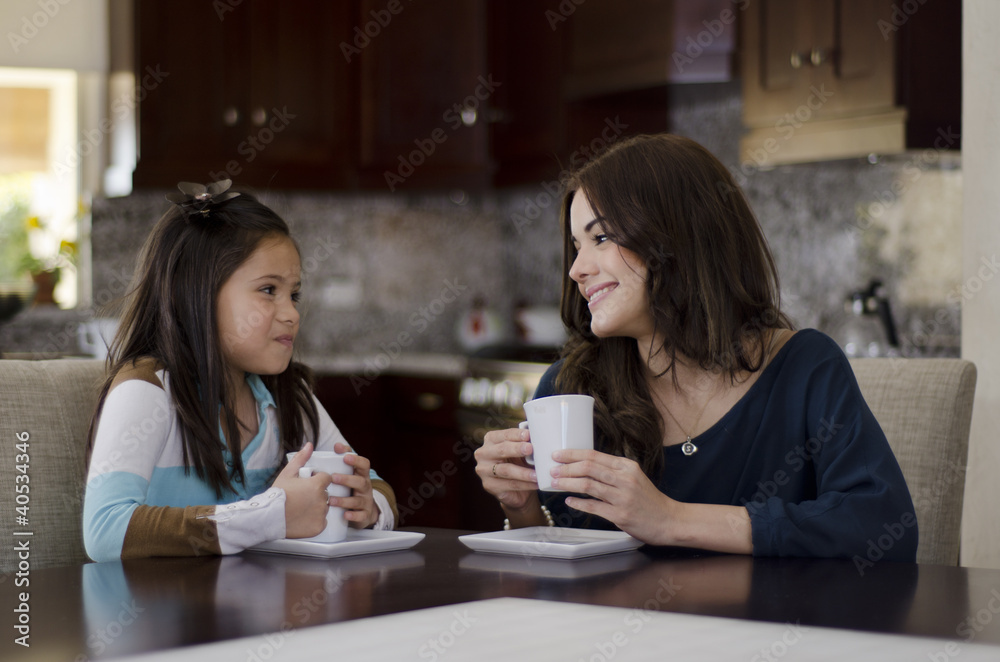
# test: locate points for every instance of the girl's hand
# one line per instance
(360, 509)
(506, 475)
(622, 493)
(306, 501)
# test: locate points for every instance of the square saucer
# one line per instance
(365, 541)
(551, 542)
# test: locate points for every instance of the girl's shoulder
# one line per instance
(142, 369)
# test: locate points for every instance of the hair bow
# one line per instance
(199, 198)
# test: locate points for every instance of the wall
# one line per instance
(980, 244)
(57, 34)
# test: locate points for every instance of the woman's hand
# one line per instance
(306, 501)
(506, 475)
(360, 508)
(623, 495)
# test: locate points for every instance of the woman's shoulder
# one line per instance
(143, 369)
(813, 343)
(808, 355)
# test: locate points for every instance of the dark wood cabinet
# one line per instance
(255, 91)
(407, 427)
(527, 55)
(426, 96)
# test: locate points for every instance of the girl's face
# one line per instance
(611, 278)
(256, 309)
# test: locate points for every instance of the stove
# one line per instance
(498, 381)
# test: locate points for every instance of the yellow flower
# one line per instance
(33, 223)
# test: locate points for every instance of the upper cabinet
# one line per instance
(638, 44)
(426, 96)
(255, 91)
(400, 96)
(830, 79)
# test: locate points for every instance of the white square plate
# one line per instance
(551, 542)
(364, 541)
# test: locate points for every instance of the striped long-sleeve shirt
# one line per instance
(141, 502)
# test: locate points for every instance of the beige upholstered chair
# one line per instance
(51, 401)
(925, 407)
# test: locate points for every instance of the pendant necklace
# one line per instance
(688, 447)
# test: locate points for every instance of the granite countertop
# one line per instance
(448, 366)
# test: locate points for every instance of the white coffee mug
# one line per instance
(557, 422)
(331, 463)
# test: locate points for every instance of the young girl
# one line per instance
(717, 425)
(202, 399)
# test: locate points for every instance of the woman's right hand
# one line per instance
(306, 499)
(505, 474)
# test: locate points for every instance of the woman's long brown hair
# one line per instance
(169, 315)
(711, 281)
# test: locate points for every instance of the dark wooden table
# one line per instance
(106, 610)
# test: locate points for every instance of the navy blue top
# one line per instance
(802, 452)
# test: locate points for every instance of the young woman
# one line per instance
(203, 400)
(717, 425)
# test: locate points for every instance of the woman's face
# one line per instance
(257, 309)
(611, 278)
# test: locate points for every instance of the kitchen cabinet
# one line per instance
(426, 98)
(528, 134)
(637, 44)
(819, 81)
(255, 91)
(406, 425)
(389, 95)
(623, 56)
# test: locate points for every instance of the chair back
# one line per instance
(48, 403)
(925, 408)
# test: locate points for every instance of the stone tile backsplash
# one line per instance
(379, 268)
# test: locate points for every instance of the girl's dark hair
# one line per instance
(711, 281)
(169, 315)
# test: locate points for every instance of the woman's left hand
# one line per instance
(360, 509)
(622, 494)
